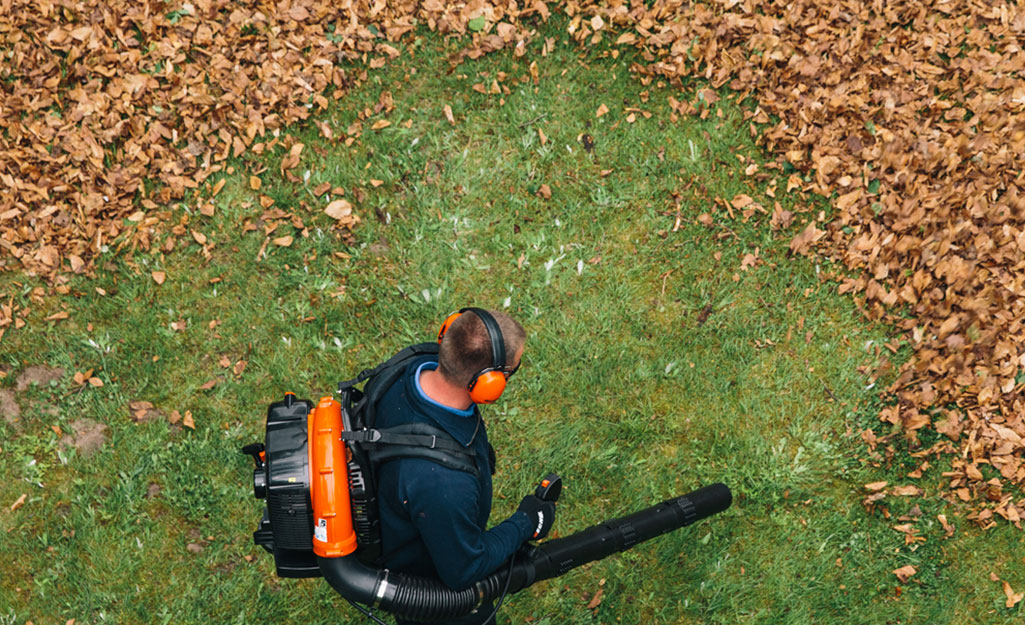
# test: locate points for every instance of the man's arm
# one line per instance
(444, 505)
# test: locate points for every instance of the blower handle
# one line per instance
(550, 488)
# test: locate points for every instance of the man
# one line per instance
(433, 518)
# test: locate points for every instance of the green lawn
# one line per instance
(660, 357)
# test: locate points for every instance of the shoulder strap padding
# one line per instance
(415, 440)
(380, 379)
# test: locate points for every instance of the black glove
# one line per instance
(541, 514)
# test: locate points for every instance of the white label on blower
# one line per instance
(320, 531)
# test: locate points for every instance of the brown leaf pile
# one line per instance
(109, 106)
(912, 114)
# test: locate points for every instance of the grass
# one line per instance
(655, 364)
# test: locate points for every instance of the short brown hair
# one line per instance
(466, 348)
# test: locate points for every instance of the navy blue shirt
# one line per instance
(434, 519)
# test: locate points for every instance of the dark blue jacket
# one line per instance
(434, 519)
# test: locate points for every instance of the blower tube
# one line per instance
(422, 599)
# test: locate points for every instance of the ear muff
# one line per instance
(448, 322)
(487, 387)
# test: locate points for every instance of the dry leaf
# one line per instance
(159, 277)
(95, 382)
(1012, 597)
(904, 573)
(19, 502)
(284, 241)
(208, 385)
(379, 124)
(255, 183)
(187, 420)
(602, 110)
(596, 599)
(448, 115)
(338, 209)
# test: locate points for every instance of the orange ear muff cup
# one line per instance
(487, 387)
(445, 326)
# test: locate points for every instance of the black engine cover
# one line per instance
(289, 510)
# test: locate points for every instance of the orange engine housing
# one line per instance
(333, 533)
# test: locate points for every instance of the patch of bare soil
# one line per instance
(37, 374)
(89, 436)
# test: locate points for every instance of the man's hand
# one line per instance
(541, 514)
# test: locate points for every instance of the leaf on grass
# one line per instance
(596, 599)
(159, 277)
(904, 573)
(875, 486)
(338, 209)
(284, 241)
(448, 115)
(906, 491)
(19, 502)
(206, 386)
(255, 183)
(602, 110)
(240, 366)
(379, 124)
(1013, 598)
(741, 201)
(802, 243)
(95, 382)
(57, 316)
(187, 420)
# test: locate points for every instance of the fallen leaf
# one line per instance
(19, 503)
(448, 115)
(1012, 597)
(284, 241)
(159, 277)
(904, 573)
(596, 599)
(187, 420)
(338, 209)
(255, 183)
(602, 110)
(379, 124)
(206, 386)
(95, 382)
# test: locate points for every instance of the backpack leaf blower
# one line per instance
(304, 472)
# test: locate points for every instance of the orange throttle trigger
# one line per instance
(550, 488)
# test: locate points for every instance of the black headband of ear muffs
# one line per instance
(494, 334)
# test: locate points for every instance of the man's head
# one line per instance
(466, 347)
